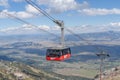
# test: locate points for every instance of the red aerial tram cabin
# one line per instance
(59, 54)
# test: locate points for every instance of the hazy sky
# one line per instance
(87, 14)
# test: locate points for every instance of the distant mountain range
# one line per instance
(109, 35)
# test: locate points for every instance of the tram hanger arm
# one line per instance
(59, 23)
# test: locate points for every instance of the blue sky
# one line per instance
(88, 15)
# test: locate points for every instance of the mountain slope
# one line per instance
(14, 70)
(112, 74)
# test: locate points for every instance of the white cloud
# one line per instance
(28, 29)
(31, 9)
(15, 30)
(62, 5)
(57, 5)
(8, 29)
(52, 6)
(23, 14)
(28, 13)
(44, 27)
(99, 11)
(4, 3)
(55, 28)
(25, 29)
(115, 24)
(20, 14)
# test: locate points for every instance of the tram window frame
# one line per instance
(54, 53)
(66, 51)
